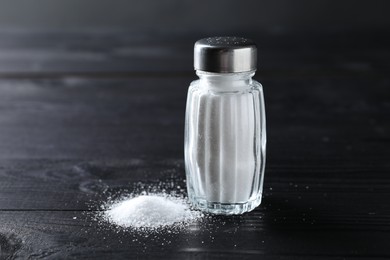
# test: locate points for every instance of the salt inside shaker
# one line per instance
(225, 134)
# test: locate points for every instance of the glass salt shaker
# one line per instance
(225, 134)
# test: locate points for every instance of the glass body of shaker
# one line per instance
(225, 142)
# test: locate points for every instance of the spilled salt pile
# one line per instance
(150, 211)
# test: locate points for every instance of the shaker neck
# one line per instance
(225, 81)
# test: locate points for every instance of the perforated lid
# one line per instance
(225, 55)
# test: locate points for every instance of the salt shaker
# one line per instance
(225, 134)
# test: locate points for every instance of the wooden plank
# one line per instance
(85, 118)
(42, 234)
(71, 185)
(34, 54)
(77, 118)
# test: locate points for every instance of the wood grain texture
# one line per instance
(74, 235)
(123, 54)
(72, 136)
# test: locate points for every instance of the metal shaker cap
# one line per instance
(225, 55)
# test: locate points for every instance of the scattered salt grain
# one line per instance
(150, 211)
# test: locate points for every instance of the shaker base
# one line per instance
(218, 208)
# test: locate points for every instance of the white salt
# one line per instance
(150, 211)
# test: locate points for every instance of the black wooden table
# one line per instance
(88, 114)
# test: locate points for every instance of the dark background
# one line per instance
(201, 16)
(92, 101)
